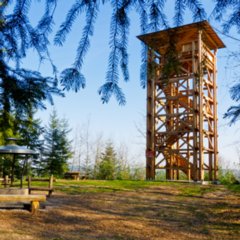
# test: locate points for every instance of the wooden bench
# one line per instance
(48, 188)
(33, 199)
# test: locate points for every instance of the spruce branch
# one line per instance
(180, 6)
(72, 79)
(235, 92)
(221, 8)
(143, 68)
(234, 113)
(46, 22)
(66, 26)
(112, 75)
(157, 18)
(108, 89)
(197, 9)
(124, 23)
(91, 15)
(233, 20)
(142, 11)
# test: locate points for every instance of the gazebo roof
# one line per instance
(15, 149)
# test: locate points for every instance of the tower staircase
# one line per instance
(167, 139)
(165, 144)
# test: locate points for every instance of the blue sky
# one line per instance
(114, 121)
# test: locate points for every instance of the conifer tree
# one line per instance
(57, 146)
(107, 163)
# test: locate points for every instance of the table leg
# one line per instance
(34, 206)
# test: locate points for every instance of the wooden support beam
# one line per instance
(150, 147)
(215, 157)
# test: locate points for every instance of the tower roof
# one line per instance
(184, 33)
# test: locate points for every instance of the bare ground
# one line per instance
(153, 213)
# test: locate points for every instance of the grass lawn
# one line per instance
(186, 189)
(93, 209)
(75, 187)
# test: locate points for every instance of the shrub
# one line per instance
(226, 176)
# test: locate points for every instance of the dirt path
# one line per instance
(153, 213)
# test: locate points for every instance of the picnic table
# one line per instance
(72, 175)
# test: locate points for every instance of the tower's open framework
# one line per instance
(182, 102)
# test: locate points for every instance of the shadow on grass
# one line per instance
(154, 213)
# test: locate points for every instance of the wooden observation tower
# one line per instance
(182, 102)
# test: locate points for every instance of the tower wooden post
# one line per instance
(150, 149)
(182, 102)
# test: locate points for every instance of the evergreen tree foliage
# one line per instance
(107, 164)
(17, 35)
(22, 91)
(57, 146)
(229, 9)
(6, 127)
(233, 20)
(19, 87)
(28, 131)
(234, 111)
(152, 18)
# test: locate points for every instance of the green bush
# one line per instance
(138, 173)
(226, 176)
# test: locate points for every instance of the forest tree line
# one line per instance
(90, 154)
(94, 157)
